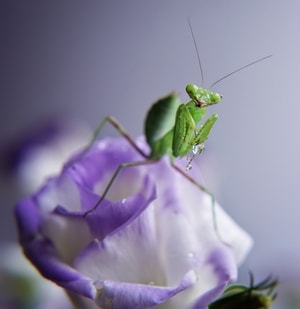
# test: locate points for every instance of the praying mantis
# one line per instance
(178, 140)
(173, 128)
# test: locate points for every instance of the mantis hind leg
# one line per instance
(213, 201)
(114, 176)
(114, 123)
(123, 133)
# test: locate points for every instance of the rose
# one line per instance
(150, 243)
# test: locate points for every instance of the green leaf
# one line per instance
(259, 296)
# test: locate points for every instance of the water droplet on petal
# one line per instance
(150, 283)
(123, 201)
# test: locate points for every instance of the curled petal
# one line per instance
(115, 215)
(43, 254)
(113, 295)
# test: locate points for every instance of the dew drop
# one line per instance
(123, 201)
(197, 148)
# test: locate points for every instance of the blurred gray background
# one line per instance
(95, 58)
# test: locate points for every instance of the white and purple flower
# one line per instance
(150, 243)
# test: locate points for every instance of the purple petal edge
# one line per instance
(28, 220)
(225, 269)
(43, 255)
(127, 295)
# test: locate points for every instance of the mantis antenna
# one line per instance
(227, 75)
(240, 69)
(197, 52)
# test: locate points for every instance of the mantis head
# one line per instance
(202, 97)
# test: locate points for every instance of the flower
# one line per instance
(151, 242)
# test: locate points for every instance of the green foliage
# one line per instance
(237, 296)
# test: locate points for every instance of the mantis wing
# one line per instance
(159, 125)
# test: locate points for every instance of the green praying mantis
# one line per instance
(173, 128)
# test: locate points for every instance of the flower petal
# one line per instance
(115, 295)
(113, 215)
(42, 253)
(28, 219)
(97, 164)
(129, 255)
(44, 256)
